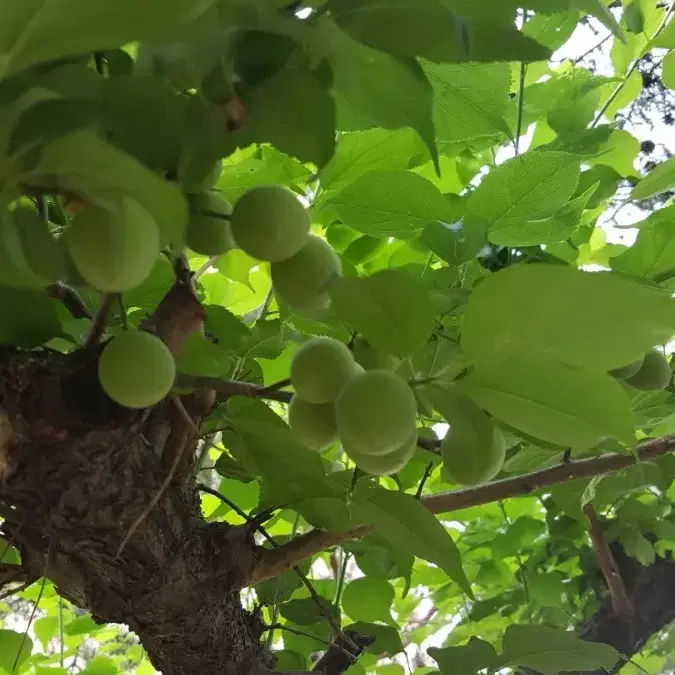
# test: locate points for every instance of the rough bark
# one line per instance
(651, 591)
(77, 470)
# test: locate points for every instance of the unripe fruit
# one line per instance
(628, 370)
(269, 223)
(313, 423)
(136, 369)
(375, 412)
(115, 248)
(193, 186)
(372, 358)
(42, 251)
(302, 279)
(471, 464)
(654, 373)
(208, 230)
(320, 369)
(385, 465)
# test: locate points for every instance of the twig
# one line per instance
(206, 266)
(603, 554)
(233, 387)
(275, 546)
(99, 321)
(579, 59)
(425, 477)
(295, 631)
(273, 563)
(70, 299)
(281, 384)
(166, 482)
(521, 102)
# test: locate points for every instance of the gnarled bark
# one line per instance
(77, 472)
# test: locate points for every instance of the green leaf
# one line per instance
(400, 27)
(637, 545)
(45, 629)
(36, 31)
(268, 448)
(551, 651)
(600, 11)
(390, 203)
(387, 639)
(530, 187)
(454, 243)
(518, 535)
(653, 253)
(668, 66)
(391, 309)
(467, 659)
(100, 665)
(470, 100)
(368, 600)
(389, 92)
(590, 319)
(658, 180)
(81, 625)
(551, 400)
(15, 648)
(407, 524)
(293, 112)
(358, 153)
(27, 318)
(87, 165)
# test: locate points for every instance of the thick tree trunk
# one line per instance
(76, 471)
(652, 593)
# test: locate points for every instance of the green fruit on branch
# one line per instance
(208, 230)
(470, 461)
(372, 358)
(114, 248)
(44, 254)
(385, 465)
(269, 223)
(376, 412)
(206, 182)
(321, 368)
(302, 280)
(654, 373)
(313, 423)
(136, 369)
(628, 370)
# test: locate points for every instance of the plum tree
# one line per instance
(114, 248)
(376, 412)
(321, 368)
(302, 279)
(136, 369)
(313, 423)
(208, 230)
(269, 223)
(654, 372)
(384, 465)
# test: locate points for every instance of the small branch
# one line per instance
(233, 387)
(603, 554)
(274, 563)
(70, 299)
(99, 321)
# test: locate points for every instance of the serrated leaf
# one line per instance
(390, 93)
(391, 309)
(390, 203)
(529, 187)
(637, 545)
(407, 524)
(581, 408)
(658, 180)
(470, 100)
(360, 152)
(36, 31)
(368, 599)
(551, 651)
(590, 319)
(467, 659)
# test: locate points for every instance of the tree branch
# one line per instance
(70, 299)
(233, 387)
(603, 554)
(291, 553)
